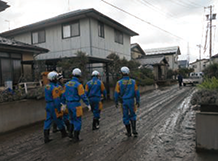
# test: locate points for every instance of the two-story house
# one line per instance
(85, 30)
(199, 65)
(136, 51)
(170, 53)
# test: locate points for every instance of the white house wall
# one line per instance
(88, 42)
(102, 47)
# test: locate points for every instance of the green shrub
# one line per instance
(209, 84)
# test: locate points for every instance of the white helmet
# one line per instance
(95, 73)
(125, 70)
(52, 75)
(76, 72)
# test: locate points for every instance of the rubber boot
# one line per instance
(46, 136)
(133, 122)
(70, 133)
(97, 123)
(54, 129)
(128, 129)
(94, 124)
(67, 123)
(76, 136)
(63, 133)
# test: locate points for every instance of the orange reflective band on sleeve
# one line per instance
(79, 111)
(100, 106)
(80, 90)
(135, 108)
(55, 93)
(136, 87)
(117, 88)
(87, 88)
(102, 86)
(58, 114)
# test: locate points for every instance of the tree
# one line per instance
(68, 64)
(211, 71)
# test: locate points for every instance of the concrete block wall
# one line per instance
(21, 113)
(207, 131)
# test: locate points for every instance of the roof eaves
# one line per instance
(75, 15)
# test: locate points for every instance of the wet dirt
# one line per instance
(165, 123)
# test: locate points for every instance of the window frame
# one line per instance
(101, 32)
(117, 39)
(70, 24)
(38, 31)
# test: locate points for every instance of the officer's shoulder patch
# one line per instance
(71, 83)
(48, 86)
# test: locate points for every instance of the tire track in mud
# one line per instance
(151, 117)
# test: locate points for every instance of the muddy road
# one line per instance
(166, 127)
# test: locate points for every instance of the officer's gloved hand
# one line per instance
(138, 104)
(63, 107)
(89, 107)
(117, 105)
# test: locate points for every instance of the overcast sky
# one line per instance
(159, 23)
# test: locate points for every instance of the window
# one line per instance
(118, 36)
(71, 30)
(100, 29)
(38, 37)
(3, 54)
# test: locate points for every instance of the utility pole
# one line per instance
(8, 24)
(199, 57)
(210, 17)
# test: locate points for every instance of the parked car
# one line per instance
(194, 78)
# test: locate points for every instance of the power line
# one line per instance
(154, 8)
(143, 20)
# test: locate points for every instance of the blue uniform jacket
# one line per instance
(52, 94)
(74, 91)
(127, 89)
(95, 88)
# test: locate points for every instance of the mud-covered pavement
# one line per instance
(166, 127)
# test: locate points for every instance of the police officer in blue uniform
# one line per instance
(53, 112)
(127, 92)
(74, 92)
(95, 90)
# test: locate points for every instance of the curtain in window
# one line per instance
(66, 31)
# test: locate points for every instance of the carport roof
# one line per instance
(91, 59)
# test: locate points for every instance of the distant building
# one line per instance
(136, 51)
(159, 65)
(183, 63)
(170, 53)
(214, 58)
(199, 65)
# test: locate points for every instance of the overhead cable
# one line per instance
(143, 20)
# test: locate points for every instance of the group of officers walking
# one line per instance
(63, 107)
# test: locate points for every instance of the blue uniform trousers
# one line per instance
(94, 102)
(128, 111)
(76, 121)
(51, 116)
